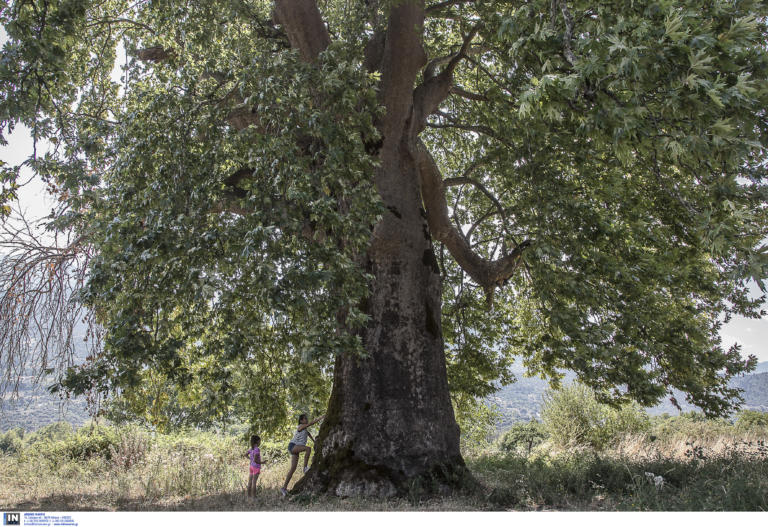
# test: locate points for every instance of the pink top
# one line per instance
(255, 455)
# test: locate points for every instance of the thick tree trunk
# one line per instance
(390, 423)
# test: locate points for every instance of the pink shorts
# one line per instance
(255, 470)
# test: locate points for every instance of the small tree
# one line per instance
(477, 422)
(751, 420)
(573, 417)
(523, 436)
(12, 441)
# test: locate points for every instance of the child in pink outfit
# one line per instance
(254, 454)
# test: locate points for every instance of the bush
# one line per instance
(133, 448)
(751, 420)
(203, 443)
(522, 437)
(572, 416)
(274, 452)
(689, 425)
(88, 442)
(46, 437)
(628, 419)
(51, 433)
(12, 441)
(477, 422)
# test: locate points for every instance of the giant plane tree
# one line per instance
(376, 206)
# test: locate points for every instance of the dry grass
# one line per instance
(685, 446)
(168, 484)
(209, 473)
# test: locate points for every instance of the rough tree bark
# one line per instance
(390, 421)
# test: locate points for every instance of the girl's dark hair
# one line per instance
(302, 416)
(255, 439)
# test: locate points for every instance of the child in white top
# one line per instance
(298, 445)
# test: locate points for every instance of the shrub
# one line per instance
(689, 425)
(46, 438)
(572, 416)
(51, 433)
(132, 449)
(747, 420)
(628, 419)
(476, 420)
(88, 442)
(274, 452)
(523, 437)
(12, 441)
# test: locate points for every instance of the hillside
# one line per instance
(522, 400)
(755, 388)
(35, 407)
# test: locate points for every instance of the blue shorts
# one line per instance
(291, 446)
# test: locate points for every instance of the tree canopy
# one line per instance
(614, 151)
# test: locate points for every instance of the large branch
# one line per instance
(436, 88)
(487, 273)
(466, 180)
(461, 92)
(440, 8)
(304, 25)
(403, 58)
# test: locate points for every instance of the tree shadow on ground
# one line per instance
(268, 499)
(226, 501)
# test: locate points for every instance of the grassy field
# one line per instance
(713, 467)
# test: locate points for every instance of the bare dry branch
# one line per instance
(42, 321)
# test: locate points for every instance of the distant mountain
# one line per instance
(755, 388)
(522, 400)
(35, 407)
